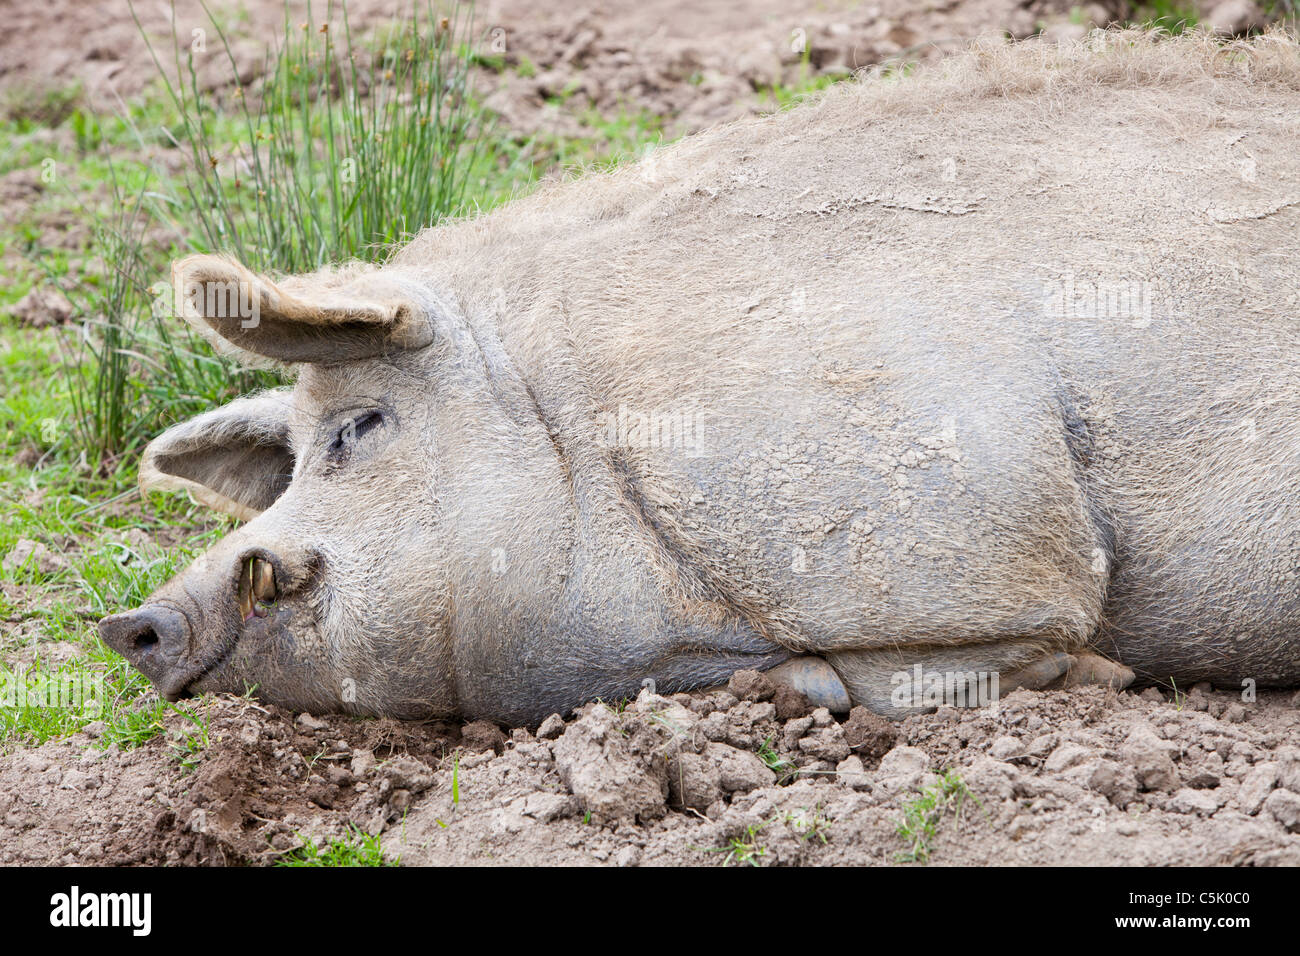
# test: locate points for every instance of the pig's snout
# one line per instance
(155, 640)
(191, 627)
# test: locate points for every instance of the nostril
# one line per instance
(152, 638)
(145, 641)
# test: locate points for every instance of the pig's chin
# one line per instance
(212, 677)
(212, 672)
(257, 645)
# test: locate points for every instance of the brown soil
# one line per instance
(1082, 777)
(692, 63)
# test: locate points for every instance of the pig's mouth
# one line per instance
(183, 686)
(179, 655)
(255, 593)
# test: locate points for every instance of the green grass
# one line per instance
(1171, 15)
(45, 701)
(809, 825)
(39, 703)
(136, 723)
(455, 783)
(923, 815)
(188, 743)
(779, 96)
(784, 768)
(359, 849)
(31, 108)
(746, 849)
(349, 148)
(1180, 697)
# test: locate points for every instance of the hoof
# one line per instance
(1039, 674)
(1094, 669)
(816, 680)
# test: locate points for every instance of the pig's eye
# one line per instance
(355, 428)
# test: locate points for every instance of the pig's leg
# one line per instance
(816, 680)
(810, 676)
(896, 682)
(1089, 668)
(1042, 673)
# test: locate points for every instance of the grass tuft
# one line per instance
(922, 816)
(360, 849)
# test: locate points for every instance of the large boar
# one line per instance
(991, 369)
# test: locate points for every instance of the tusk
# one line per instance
(263, 581)
(246, 590)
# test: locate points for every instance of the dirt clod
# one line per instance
(1285, 808)
(789, 703)
(551, 727)
(615, 767)
(41, 307)
(1148, 755)
(869, 735)
(751, 685)
(480, 735)
(27, 553)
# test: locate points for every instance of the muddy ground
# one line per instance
(1085, 777)
(727, 777)
(694, 64)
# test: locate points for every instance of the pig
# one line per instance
(988, 373)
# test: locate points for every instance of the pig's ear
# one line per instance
(236, 459)
(328, 317)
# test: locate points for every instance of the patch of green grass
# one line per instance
(189, 743)
(33, 410)
(784, 769)
(348, 150)
(359, 849)
(1175, 16)
(44, 701)
(43, 107)
(39, 703)
(137, 722)
(608, 142)
(455, 783)
(922, 815)
(781, 96)
(115, 574)
(1180, 698)
(104, 392)
(616, 706)
(745, 849)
